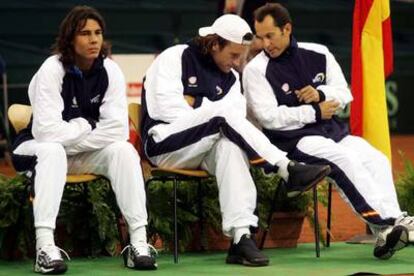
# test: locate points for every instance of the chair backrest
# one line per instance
(19, 116)
(134, 112)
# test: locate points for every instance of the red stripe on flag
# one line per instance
(361, 10)
(387, 45)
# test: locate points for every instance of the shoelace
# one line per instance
(53, 252)
(151, 249)
(405, 219)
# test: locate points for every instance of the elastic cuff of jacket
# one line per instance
(318, 115)
(92, 123)
(198, 101)
(322, 96)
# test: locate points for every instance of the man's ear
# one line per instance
(287, 29)
(215, 47)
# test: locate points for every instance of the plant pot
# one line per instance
(284, 230)
(212, 240)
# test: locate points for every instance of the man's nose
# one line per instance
(236, 62)
(93, 38)
(266, 42)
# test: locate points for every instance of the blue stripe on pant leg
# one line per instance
(236, 138)
(357, 200)
(194, 134)
(184, 138)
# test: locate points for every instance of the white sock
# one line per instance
(238, 232)
(138, 235)
(44, 236)
(283, 171)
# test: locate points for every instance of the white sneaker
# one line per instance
(408, 222)
(390, 240)
(140, 257)
(50, 261)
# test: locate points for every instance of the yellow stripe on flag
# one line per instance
(375, 123)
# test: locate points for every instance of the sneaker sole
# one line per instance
(49, 271)
(396, 240)
(144, 263)
(325, 172)
(243, 261)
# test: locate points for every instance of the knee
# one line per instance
(122, 150)
(231, 150)
(383, 159)
(348, 158)
(51, 151)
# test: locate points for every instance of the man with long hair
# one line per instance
(194, 115)
(294, 91)
(80, 125)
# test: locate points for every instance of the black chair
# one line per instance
(315, 218)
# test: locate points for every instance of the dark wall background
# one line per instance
(28, 28)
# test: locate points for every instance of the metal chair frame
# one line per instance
(152, 174)
(315, 217)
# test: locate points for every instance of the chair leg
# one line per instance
(85, 190)
(269, 217)
(19, 224)
(122, 230)
(200, 210)
(328, 222)
(175, 222)
(316, 221)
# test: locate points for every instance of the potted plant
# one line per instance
(287, 220)
(405, 187)
(285, 232)
(192, 234)
(79, 234)
(95, 233)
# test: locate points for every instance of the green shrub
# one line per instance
(86, 223)
(405, 187)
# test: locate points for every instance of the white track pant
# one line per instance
(217, 138)
(119, 162)
(362, 173)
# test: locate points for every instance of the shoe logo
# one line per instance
(43, 263)
(192, 81)
(320, 77)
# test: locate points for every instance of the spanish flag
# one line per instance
(372, 62)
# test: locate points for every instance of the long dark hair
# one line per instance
(206, 43)
(74, 21)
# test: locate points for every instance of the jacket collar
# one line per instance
(289, 51)
(96, 67)
(205, 59)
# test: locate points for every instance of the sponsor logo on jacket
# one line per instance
(192, 81)
(320, 77)
(286, 88)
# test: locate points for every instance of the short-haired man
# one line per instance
(80, 125)
(294, 90)
(194, 116)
